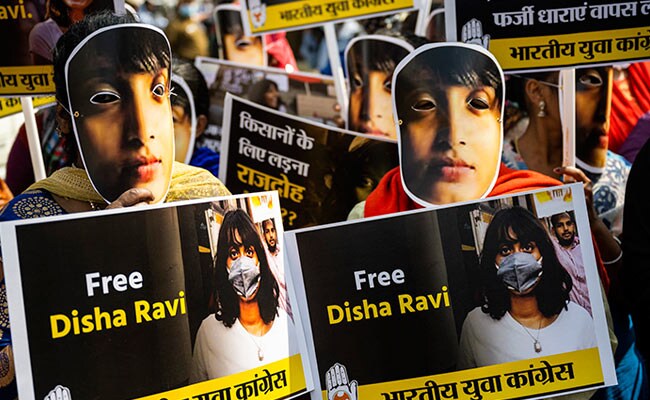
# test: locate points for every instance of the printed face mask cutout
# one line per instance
(184, 116)
(370, 61)
(244, 276)
(448, 101)
(118, 82)
(593, 109)
(520, 271)
(233, 43)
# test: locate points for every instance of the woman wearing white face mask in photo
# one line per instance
(248, 328)
(526, 311)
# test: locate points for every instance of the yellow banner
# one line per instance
(11, 105)
(314, 12)
(30, 80)
(279, 380)
(572, 49)
(519, 379)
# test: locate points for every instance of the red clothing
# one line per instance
(389, 197)
(628, 107)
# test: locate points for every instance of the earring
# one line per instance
(542, 109)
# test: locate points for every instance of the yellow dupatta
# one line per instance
(187, 183)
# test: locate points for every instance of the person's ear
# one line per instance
(63, 120)
(533, 90)
(201, 124)
(536, 98)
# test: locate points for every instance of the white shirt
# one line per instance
(486, 341)
(221, 351)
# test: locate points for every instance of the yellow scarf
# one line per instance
(187, 183)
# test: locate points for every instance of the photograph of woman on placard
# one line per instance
(248, 328)
(526, 311)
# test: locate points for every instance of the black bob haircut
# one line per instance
(227, 300)
(552, 291)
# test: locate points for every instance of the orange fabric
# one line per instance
(629, 105)
(390, 197)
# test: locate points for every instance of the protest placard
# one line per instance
(265, 16)
(428, 303)
(539, 35)
(298, 93)
(140, 303)
(31, 29)
(319, 171)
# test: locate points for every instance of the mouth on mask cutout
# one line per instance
(244, 276)
(520, 271)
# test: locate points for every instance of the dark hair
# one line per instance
(374, 54)
(58, 10)
(362, 166)
(469, 68)
(271, 220)
(256, 91)
(139, 51)
(227, 300)
(229, 21)
(367, 55)
(556, 217)
(195, 81)
(552, 291)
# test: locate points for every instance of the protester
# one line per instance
(605, 173)
(248, 327)
(356, 173)
(635, 274)
(60, 15)
(142, 68)
(630, 101)
(526, 312)
(187, 35)
(539, 147)
(436, 146)
(266, 93)
(202, 156)
(20, 170)
(450, 123)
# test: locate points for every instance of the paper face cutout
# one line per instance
(118, 82)
(233, 43)
(184, 115)
(370, 61)
(448, 101)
